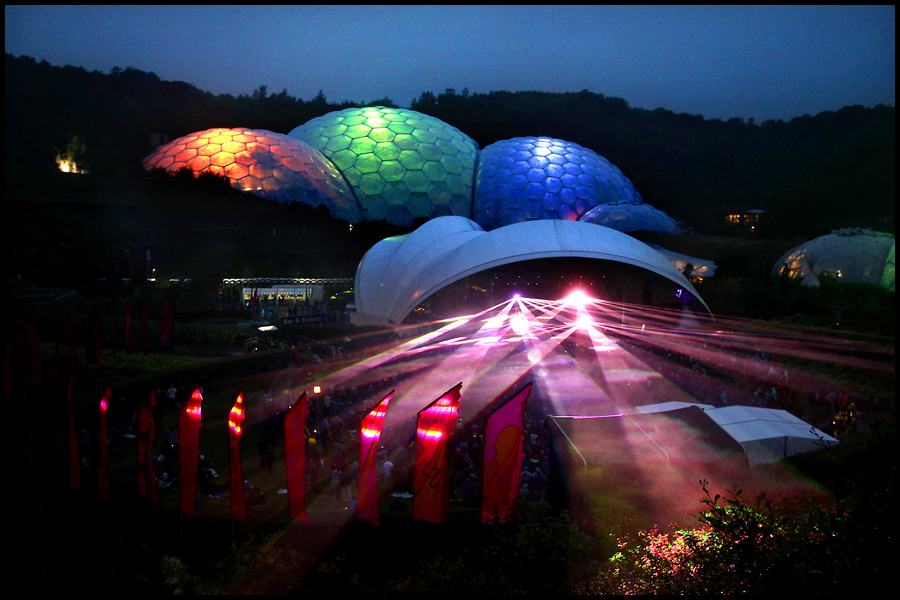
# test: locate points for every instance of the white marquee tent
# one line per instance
(766, 434)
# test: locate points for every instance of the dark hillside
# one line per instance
(813, 173)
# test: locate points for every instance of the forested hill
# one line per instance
(812, 173)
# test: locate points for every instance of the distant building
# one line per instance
(731, 218)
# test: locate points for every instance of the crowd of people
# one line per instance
(752, 378)
(749, 377)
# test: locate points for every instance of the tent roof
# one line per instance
(399, 272)
(765, 434)
(745, 423)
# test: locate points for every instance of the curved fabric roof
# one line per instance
(399, 272)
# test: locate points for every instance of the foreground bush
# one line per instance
(803, 544)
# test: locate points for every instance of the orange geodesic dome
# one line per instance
(263, 163)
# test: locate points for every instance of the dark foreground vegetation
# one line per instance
(837, 539)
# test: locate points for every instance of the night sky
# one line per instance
(719, 62)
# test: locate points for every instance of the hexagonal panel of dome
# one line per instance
(529, 178)
(264, 163)
(401, 164)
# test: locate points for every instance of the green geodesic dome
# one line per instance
(401, 164)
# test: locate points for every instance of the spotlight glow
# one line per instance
(519, 324)
(578, 299)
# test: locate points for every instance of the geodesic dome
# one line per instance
(528, 178)
(401, 164)
(264, 163)
(852, 255)
(626, 217)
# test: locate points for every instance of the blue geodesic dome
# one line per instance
(401, 164)
(528, 178)
(626, 217)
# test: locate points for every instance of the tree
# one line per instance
(382, 102)
(424, 102)
(260, 92)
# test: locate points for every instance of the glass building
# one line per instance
(529, 178)
(264, 163)
(401, 164)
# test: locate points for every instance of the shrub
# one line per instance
(802, 544)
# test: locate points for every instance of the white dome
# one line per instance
(400, 272)
(850, 255)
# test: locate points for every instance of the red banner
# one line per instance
(112, 332)
(93, 354)
(129, 335)
(74, 460)
(10, 386)
(504, 435)
(236, 473)
(52, 371)
(73, 352)
(431, 484)
(145, 316)
(295, 457)
(103, 466)
(189, 451)
(167, 326)
(145, 434)
(367, 482)
(28, 351)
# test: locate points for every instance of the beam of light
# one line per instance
(519, 324)
(577, 299)
(605, 361)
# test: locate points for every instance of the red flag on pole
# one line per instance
(431, 483)
(145, 433)
(145, 316)
(93, 354)
(74, 460)
(53, 370)
(504, 435)
(295, 457)
(367, 482)
(10, 386)
(103, 468)
(189, 451)
(73, 352)
(28, 348)
(112, 332)
(236, 473)
(167, 326)
(129, 336)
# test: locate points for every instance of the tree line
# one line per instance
(812, 173)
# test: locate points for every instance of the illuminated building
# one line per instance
(528, 178)
(267, 164)
(401, 164)
(849, 255)
(451, 265)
